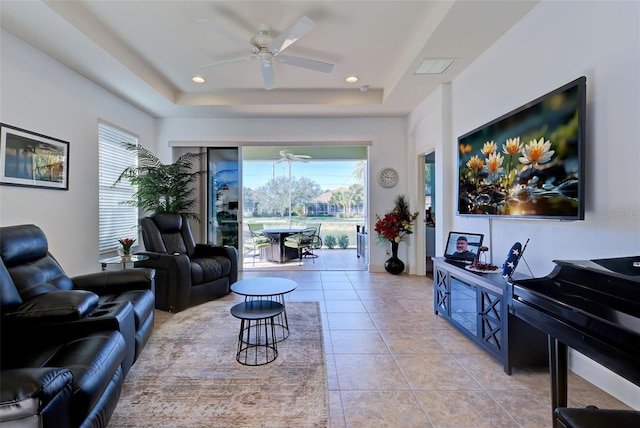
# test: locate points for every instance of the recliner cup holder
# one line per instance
(107, 305)
(98, 314)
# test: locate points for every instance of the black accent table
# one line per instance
(268, 288)
(257, 338)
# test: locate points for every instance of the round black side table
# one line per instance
(257, 343)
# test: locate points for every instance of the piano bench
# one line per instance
(592, 417)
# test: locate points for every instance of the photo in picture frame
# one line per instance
(33, 160)
(463, 246)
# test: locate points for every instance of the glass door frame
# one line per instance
(224, 191)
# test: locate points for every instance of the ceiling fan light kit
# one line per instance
(263, 46)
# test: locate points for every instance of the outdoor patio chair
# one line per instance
(317, 240)
(257, 241)
(302, 241)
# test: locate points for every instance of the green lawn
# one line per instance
(330, 225)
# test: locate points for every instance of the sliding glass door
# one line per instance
(223, 196)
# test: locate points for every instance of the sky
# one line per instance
(328, 174)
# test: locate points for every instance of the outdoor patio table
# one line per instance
(279, 253)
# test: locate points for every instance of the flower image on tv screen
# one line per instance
(528, 163)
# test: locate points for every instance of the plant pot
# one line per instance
(394, 265)
(124, 254)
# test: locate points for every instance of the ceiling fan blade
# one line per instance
(288, 156)
(299, 28)
(229, 61)
(267, 73)
(211, 26)
(310, 64)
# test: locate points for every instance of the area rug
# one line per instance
(187, 375)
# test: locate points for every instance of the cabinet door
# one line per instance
(490, 310)
(463, 305)
(441, 292)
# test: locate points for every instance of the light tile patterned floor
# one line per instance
(393, 363)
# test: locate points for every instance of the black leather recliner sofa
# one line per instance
(67, 343)
(187, 274)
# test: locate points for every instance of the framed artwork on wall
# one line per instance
(33, 160)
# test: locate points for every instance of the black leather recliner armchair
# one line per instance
(187, 274)
(25, 253)
(65, 351)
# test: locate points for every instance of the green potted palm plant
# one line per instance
(163, 188)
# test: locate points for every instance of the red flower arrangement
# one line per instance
(396, 224)
(127, 243)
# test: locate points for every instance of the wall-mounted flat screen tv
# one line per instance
(529, 163)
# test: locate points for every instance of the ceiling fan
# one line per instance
(266, 48)
(288, 156)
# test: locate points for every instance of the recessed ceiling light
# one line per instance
(351, 79)
(434, 65)
(198, 79)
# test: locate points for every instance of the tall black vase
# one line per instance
(394, 265)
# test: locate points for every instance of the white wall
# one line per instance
(41, 95)
(556, 43)
(387, 147)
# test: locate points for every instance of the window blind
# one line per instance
(115, 219)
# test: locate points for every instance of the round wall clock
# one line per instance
(388, 177)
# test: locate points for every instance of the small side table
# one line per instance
(257, 343)
(268, 288)
(121, 259)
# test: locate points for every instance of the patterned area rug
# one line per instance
(187, 375)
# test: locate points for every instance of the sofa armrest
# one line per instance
(204, 250)
(232, 254)
(64, 315)
(37, 397)
(165, 261)
(55, 306)
(118, 281)
(173, 278)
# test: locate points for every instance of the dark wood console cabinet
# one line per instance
(478, 305)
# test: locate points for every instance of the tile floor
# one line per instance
(335, 259)
(393, 363)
